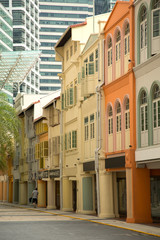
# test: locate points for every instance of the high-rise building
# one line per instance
(104, 6)
(25, 15)
(6, 42)
(55, 17)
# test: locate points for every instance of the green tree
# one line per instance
(9, 130)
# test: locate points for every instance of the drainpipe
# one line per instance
(61, 152)
(99, 137)
(61, 156)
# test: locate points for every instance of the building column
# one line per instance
(138, 191)
(106, 195)
(4, 191)
(67, 194)
(1, 191)
(51, 194)
(42, 193)
(23, 193)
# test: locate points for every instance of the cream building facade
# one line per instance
(81, 105)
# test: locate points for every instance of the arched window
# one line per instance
(109, 60)
(144, 119)
(118, 54)
(127, 40)
(156, 18)
(143, 27)
(110, 52)
(144, 112)
(110, 121)
(118, 117)
(126, 47)
(118, 46)
(110, 129)
(118, 127)
(127, 115)
(127, 124)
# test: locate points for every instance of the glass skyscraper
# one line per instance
(55, 17)
(104, 6)
(25, 15)
(6, 42)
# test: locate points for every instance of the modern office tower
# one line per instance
(104, 6)
(25, 15)
(55, 17)
(6, 42)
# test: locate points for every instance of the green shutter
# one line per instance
(71, 96)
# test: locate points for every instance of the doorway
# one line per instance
(122, 199)
(57, 194)
(74, 192)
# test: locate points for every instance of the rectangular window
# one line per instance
(62, 101)
(68, 100)
(96, 57)
(69, 141)
(158, 113)
(109, 63)
(118, 123)
(71, 95)
(110, 125)
(92, 127)
(91, 68)
(74, 139)
(125, 46)
(128, 43)
(146, 117)
(154, 115)
(86, 133)
(127, 120)
(75, 92)
(156, 23)
(65, 141)
(116, 52)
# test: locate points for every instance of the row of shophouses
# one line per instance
(94, 146)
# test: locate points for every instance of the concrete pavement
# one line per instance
(149, 229)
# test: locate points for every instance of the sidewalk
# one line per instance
(149, 229)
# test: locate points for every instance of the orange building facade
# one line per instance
(130, 196)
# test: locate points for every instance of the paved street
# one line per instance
(21, 223)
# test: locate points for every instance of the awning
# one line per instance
(15, 66)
